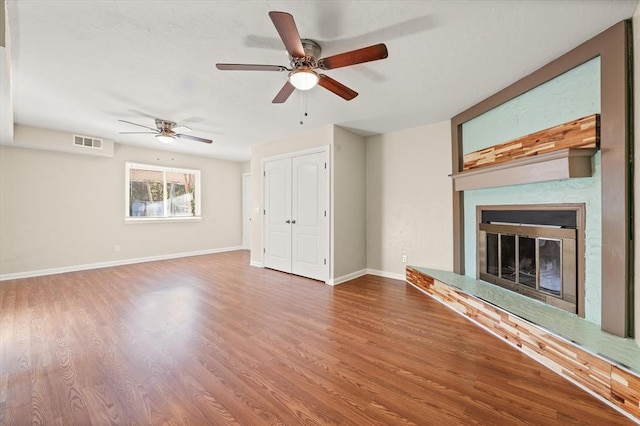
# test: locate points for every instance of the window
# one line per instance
(161, 193)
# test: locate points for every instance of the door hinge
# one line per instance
(264, 212)
(325, 213)
(325, 261)
(264, 250)
(325, 165)
(264, 174)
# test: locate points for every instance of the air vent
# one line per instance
(87, 142)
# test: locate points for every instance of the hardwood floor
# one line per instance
(210, 340)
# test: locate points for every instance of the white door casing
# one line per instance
(246, 211)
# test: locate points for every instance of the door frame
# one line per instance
(327, 150)
(246, 211)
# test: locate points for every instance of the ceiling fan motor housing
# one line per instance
(164, 125)
(312, 51)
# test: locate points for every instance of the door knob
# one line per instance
(287, 221)
(293, 221)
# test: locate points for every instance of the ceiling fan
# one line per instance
(304, 55)
(166, 131)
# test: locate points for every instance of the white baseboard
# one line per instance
(362, 272)
(385, 274)
(257, 264)
(74, 268)
(348, 277)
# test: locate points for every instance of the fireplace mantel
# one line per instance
(563, 164)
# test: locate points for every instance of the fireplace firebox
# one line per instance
(533, 250)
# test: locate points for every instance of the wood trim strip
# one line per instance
(458, 200)
(600, 376)
(617, 276)
(581, 133)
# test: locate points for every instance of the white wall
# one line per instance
(409, 199)
(349, 218)
(61, 210)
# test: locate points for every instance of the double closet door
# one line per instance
(296, 221)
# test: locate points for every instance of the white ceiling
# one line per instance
(78, 66)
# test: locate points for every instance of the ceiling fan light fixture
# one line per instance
(165, 138)
(303, 78)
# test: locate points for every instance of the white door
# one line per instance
(277, 214)
(309, 216)
(246, 211)
(296, 222)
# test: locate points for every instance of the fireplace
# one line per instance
(534, 250)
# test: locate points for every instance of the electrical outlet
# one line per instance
(404, 258)
(116, 248)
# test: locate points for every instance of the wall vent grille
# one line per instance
(87, 142)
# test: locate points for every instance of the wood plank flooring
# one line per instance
(210, 340)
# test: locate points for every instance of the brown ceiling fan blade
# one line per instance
(141, 125)
(250, 67)
(358, 56)
(193, 138)
(288, 31)
(336, 87)
(284, 93)
(139, 133)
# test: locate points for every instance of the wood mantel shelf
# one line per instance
(563, 164)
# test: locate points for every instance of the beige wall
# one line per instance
(349, 216)
(3, 39)
(54, 140)
(61, 210)
(409, 204)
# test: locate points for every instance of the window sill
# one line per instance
(135, 220)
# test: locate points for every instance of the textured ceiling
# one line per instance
(78, 66)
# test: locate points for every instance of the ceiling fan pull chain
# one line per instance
(303, 101)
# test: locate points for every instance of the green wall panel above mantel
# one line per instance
(572, 95)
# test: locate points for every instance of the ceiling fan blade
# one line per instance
(141, 125)
(193, 138)
(288, 31)
(250, 67)
(284, 93)
(358, 56)
(180, 129)
(139, 133)
(336, 87)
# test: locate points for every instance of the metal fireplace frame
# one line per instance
(571, 296)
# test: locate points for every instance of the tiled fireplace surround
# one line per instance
(596, 359)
